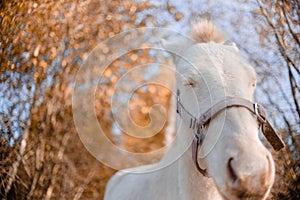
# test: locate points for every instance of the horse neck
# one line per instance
(192, 184)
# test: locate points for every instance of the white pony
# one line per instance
(237, 165)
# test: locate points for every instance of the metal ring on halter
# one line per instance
(197, 138)
(260, 118)
(199, 134)
(178, 102)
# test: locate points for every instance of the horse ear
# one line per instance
(232, 44)
(170, 46)
(177, 46)
(164, 43)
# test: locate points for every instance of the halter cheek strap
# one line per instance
(198, 124)
(195, 145)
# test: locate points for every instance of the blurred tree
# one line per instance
(43, 44)
(280, 30)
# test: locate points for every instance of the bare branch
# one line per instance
(277, 36)
(57, 166)
(292, 81)
(296, 39)
(14, 168)
(81, 188)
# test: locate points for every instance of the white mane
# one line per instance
(204, 31)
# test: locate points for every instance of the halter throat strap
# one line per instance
(198, 124)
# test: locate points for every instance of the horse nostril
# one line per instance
(231, 172)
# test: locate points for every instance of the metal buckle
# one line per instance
(259, 117)
(178, 103)
(199, 136)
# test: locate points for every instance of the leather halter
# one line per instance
(199, 124)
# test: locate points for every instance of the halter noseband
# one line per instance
(199, 124)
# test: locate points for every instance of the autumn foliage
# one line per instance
(42, 46)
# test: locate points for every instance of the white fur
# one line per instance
(217, 71)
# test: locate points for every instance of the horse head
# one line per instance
(208, 70)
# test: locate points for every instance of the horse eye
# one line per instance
(253, 84)
(191, 83)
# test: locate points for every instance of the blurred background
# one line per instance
(44, 43)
